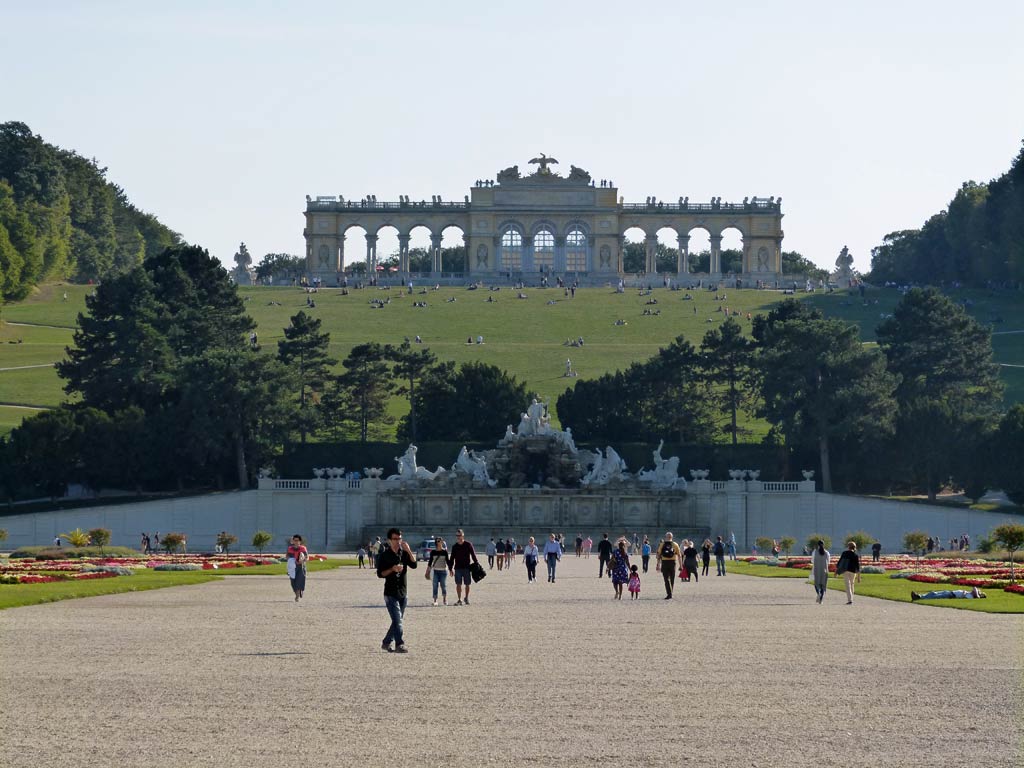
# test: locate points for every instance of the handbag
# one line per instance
(841, 566)
(477, 572)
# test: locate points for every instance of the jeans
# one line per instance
(732, 551)
(720, 562)
(439, 577)
(552, 563)
(396, 610)
(820, 590)
(647, 560)
(531, 568)
(668, 572)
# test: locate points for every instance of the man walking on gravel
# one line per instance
(669, 558)
(392, 563)
(604, 555)
(461, 556)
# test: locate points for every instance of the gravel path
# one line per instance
(735, 671)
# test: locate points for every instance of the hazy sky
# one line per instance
(219, 117)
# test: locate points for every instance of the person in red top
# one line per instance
(297, 557)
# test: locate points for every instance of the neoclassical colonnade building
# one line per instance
(545, 223)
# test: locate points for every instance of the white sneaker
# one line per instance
(435, 603)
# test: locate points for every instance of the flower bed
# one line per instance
(38, 578)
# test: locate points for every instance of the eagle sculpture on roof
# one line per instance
(543, 161)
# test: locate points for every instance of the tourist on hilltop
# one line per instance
(437, 569)
(645, 553)
(669, 557)
(634, 583)
(392, 565)
(297, 555)
(705, 557)
(690, 561)
(620, 568)
(604, 554)
(849, 568)
(820, 559)
(719, 551)
(500, 553)
(950, 594)
(491, 550)
(552, 554)
(458, 562)
(530, 556)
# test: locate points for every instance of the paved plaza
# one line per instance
(735, 671)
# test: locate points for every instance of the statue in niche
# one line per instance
(762, 259)
(509, 174)
(481, 255)
(606, 256)
(578, 174)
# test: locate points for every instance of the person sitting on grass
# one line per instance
(950, 594)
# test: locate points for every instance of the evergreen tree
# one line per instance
(727, 364)
(304, 351)
(949, 386)
(358, 398)
(819, 382)
(411, 365)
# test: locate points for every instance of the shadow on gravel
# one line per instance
(271, 653)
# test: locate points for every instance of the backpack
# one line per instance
(668, 551)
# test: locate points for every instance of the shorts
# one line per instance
(462, 576)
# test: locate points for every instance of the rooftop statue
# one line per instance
(544, 161)
(509, 174)
(578, 174)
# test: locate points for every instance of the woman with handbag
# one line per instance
(297, 557)
(620, 568)
(849, 568)
(437, 569)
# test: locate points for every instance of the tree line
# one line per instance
(978, 239)
(60, 217)
(920, 410)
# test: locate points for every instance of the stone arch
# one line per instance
(453, 256)
(731, 248)
(579, 224)
(543, 246)
(633, 249)
(510, 246)
(697, 242)
(667, 249)
(353, 246)
(577, 249)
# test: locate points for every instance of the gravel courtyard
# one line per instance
(735, 671)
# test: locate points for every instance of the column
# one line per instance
(341, 252)
(715, 266)
(371, 256)
(470, 265)
(651, 254)
(527, 254)
(683, 267)
(559, 265)
(435, 250)
(403, 255)
(619, 254)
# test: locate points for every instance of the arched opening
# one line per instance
(353, 255)
(453, 249)
(634, 257)
(420, 259)
(699, 247)
(732, 251)
(387, 252)
(576, 251)
(510, 250)
(668, 250)
(544, 250)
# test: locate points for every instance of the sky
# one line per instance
(220, 117)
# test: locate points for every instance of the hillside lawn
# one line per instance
(524, 336)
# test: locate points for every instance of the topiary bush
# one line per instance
(862, 539)
(260, 539)
(812, 540)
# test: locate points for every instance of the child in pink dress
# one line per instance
(634, 583)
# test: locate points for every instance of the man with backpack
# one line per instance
(669, 557)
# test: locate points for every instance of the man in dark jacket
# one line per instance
(604, 555)
(392, 563)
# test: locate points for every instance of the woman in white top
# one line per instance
(530, 556)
